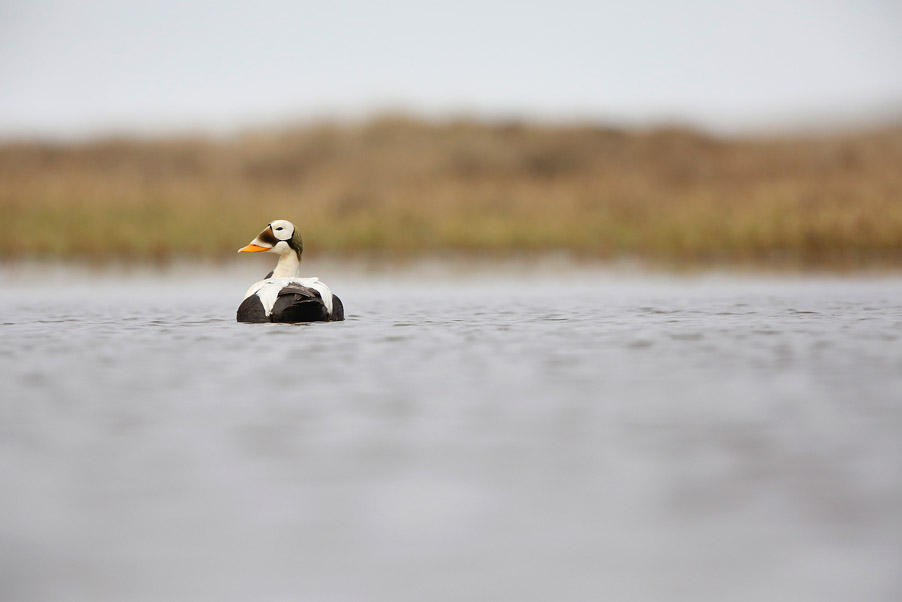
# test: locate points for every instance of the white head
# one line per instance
(280, 236)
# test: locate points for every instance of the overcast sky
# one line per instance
(91, 66)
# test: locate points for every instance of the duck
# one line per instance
(283, 295)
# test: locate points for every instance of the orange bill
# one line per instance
(252, 248)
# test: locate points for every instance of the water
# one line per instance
(581, 437)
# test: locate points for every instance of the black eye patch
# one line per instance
(267, 236)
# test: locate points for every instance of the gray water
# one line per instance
(587, 436)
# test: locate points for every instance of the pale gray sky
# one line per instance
(76, 67)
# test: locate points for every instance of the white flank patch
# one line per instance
(268, 291)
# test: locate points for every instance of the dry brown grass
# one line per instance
(399, 186)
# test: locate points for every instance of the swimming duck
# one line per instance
(283, 296)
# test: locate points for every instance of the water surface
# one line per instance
(581, 437)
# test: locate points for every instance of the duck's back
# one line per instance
(290, 300)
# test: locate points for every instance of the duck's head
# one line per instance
(280, 237)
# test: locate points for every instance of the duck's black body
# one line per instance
(284, 296)
(294, 303)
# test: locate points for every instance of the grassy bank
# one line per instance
(402, 187)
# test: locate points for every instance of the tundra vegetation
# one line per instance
(400, 187)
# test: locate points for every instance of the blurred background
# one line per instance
(622, 285)
(760, 133)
